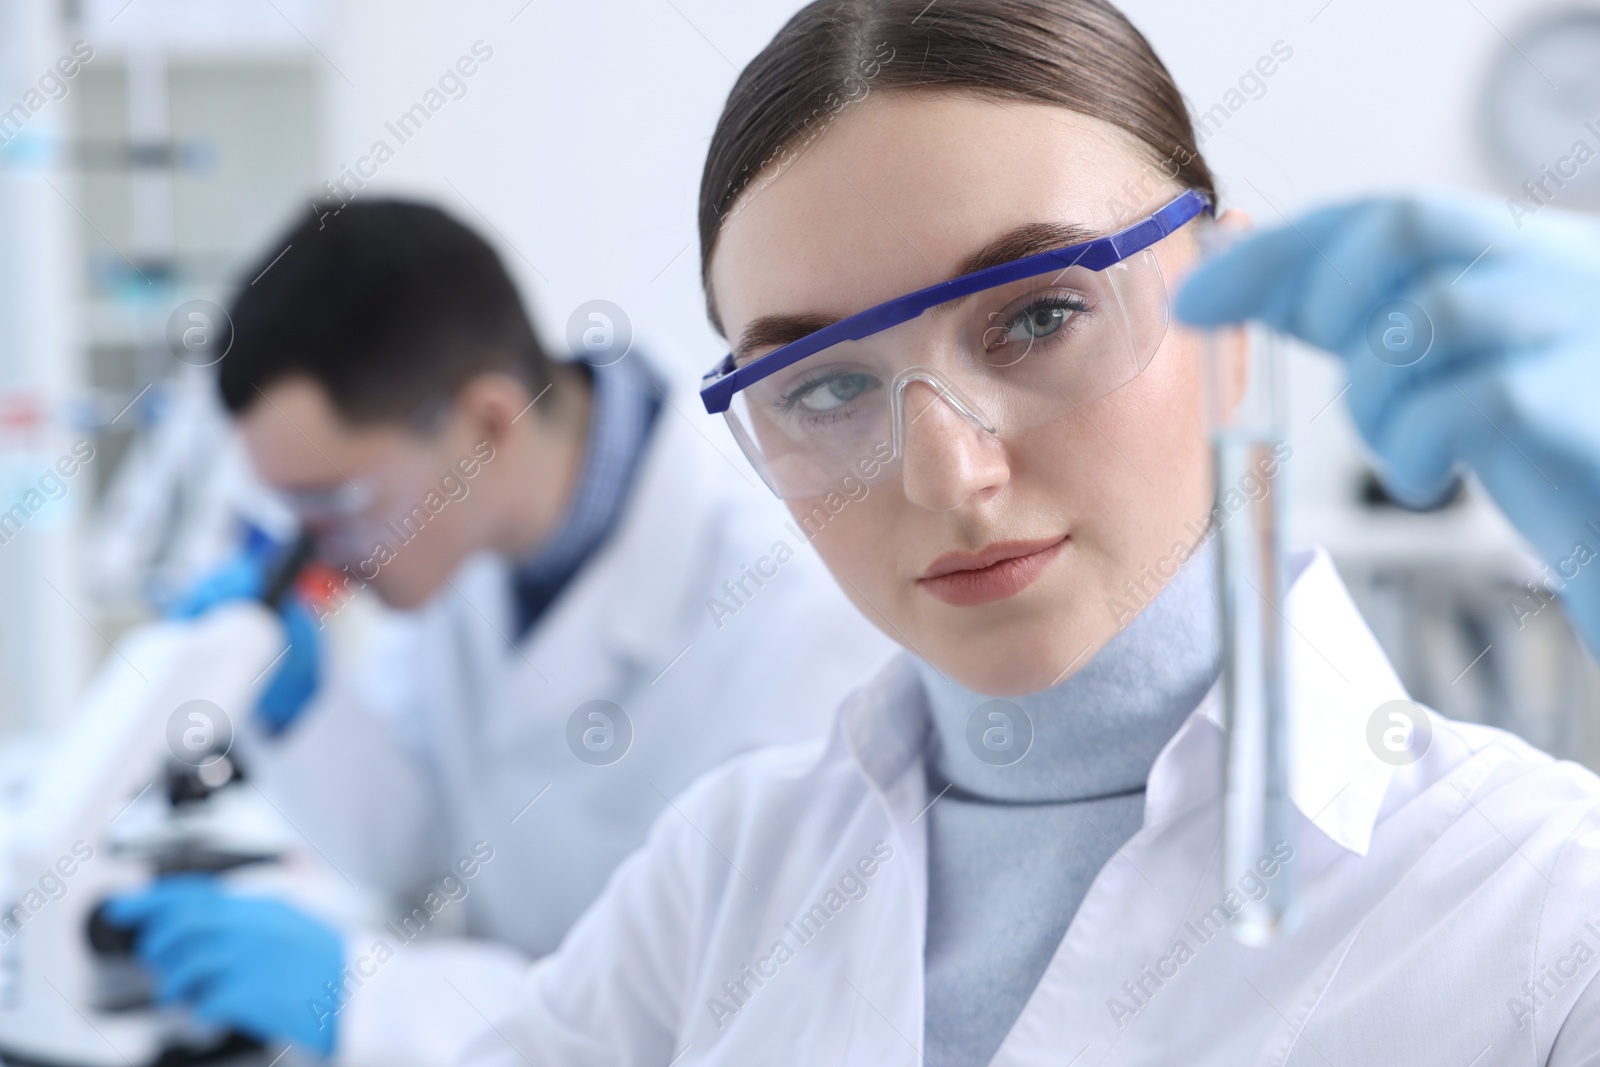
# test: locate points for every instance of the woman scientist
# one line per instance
(1007, 851)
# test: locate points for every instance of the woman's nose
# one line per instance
(946, 457)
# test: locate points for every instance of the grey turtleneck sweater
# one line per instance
(1012, 849)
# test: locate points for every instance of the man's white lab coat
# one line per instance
(1450, 907)
(455, 745)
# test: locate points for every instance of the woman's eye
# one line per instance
(1037, 322)
(832, 392)
(1013, 334)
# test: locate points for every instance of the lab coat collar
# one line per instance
(885, 724)
(1338, 677)
(656, 558)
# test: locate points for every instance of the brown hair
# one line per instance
(1083, 55)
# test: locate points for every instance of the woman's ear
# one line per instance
(1235, 222)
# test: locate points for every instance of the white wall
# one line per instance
(1377, 96)
(582, 139)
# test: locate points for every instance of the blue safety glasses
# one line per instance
(1008, 348)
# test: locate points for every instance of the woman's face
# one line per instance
(1003, 561)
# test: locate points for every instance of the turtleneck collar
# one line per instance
(1097, 733)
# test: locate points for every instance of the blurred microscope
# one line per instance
(146, 780)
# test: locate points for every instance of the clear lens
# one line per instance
(1008, 358)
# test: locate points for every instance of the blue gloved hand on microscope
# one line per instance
(260, 966)
(244, 577)
(1471, 338)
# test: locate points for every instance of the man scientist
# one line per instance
(553, 533)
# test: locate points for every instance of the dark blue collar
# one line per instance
(626, 398)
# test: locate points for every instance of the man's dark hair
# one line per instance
(390, 306)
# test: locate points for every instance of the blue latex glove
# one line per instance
(257, 965)
(1510, 386)
(242, 578)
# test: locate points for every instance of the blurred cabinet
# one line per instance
(237, 158)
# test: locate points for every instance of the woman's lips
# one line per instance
(1006, 568)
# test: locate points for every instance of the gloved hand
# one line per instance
(298, 673)
(1495, 363)
(257, 965)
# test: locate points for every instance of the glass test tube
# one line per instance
(1245, 398)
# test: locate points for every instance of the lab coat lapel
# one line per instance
(466, 639)
(887, 733)
(661, 559)
(1119, 988)
(873, 1004)
(464, 634)
(637, 595)
(875, 1011)
(631, 609)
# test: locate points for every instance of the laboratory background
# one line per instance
(191, 132)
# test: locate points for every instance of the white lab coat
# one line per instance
(777, 914)
(455, 737)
